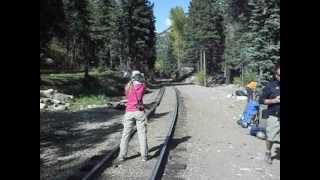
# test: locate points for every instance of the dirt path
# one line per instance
(218, 148)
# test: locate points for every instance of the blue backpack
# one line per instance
(251, 110)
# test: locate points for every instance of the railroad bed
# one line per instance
(90, 134)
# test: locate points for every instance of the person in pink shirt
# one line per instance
(135, 114)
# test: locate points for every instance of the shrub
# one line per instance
(200, 77)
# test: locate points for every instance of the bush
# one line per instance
(248, 77)
(99, 70)
(237, 80)
(200, 77)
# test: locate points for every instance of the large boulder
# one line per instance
(118, 105)
(62, 97)
(186, 70)
(49, 60)
(47, 93)
(60, 107)
(61, 132)
(43, 106)
(191, 79)
(49, 101)
(241, 98)
(52, 100)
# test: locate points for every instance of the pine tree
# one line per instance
(80, 20)
(207, 26)
(190, 47)
(252, 36)
(52, 22)
(138, 37)
(264, 29)
(103, 31)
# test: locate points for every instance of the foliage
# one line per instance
(84, 101)
(178, 20)
(253, 36)
(237, 80)
(200, 77)
(117, 34)
(204, 30)
(166, 60)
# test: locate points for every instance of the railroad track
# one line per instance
(94, 170)
(159, 167)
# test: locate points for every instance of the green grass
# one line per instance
(67, 76)
(237, 80)
(84, 101)
(200, 77)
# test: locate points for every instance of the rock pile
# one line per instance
(121, 105)
(52, 100)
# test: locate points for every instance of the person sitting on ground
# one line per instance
(271, 97)
(251, 89)
(134, 114)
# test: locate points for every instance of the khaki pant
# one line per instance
(273, 129)
(130, 118)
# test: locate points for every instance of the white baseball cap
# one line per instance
(135, 72)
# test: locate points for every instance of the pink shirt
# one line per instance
(133, 95)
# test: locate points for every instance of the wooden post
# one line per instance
(260, 76)
(200, 69)
(225, 69)
(242, 75)
(198, 66)
(227, 74)
(178, 59)
(204, 68)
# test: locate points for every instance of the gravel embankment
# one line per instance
(69, 139)
(218, 148)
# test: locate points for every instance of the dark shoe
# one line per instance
(239, 122)
(268, 158)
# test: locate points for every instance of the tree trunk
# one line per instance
(111, 61)
(86, 71)
(179, 59)
(260, 76)
(74, 55)
(242, 83)
(200, 69)
(227, 74)
(225, 70)
(85, 54)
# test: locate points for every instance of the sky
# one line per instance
(161, 11)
